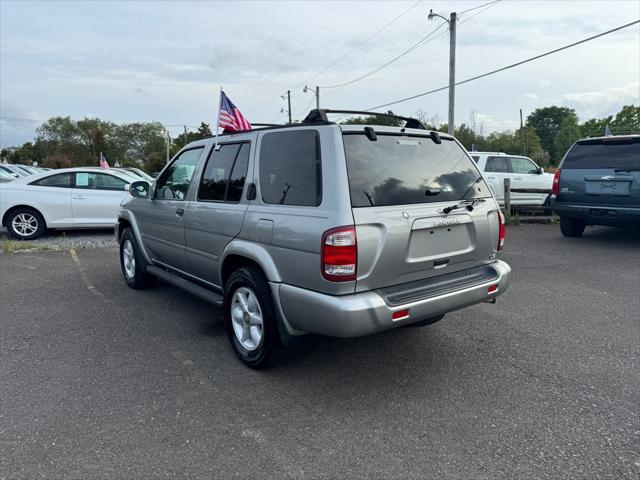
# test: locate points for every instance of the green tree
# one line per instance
(569, 132)
(374, 120)
(627, 120)
(547, 122)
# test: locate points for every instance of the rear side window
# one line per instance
(225, 173)
(398, 170)
(63, 180)
(99, 181)
(290, 168)
(615, 153)
(497, 165)
(475, 158)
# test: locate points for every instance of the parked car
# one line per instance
(338, 230)
(26, 169)
(523, 172)
(66, 198)
(136, 171)
(11, 169)
(6, 176)
(598, 183)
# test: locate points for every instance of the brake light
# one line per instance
(502, 231)
(555, 187)
(339, 254)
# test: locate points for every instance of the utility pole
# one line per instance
(185, 136)
(453, 19)
(522, 147)
(289, 105)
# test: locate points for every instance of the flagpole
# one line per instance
(215, 143)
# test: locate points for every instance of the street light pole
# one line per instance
(453, 19)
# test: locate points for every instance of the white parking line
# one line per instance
(83, 274)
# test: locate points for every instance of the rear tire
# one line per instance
(26, 224)
(571, 227)
(133, 264)
(250, 319)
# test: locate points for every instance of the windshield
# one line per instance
(399, 170)
(622, 153)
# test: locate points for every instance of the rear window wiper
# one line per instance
(468, 204)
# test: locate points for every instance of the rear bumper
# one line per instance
(597, 214)
(367, 312)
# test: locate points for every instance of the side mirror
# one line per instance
(540, 170)
(140, 189)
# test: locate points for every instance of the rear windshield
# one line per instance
(614, 153)
(400, 170)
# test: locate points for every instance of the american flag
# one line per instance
(230, 117)
(103, 162)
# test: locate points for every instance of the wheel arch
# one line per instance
(17, 207)
(241, 253)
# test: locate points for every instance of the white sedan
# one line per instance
(65, 198)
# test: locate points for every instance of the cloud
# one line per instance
(531, 96)
(603, 102)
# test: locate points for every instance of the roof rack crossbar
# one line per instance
(320, 115)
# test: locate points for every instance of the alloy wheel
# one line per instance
(246, 317)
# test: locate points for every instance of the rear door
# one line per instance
(400, 187)
(96, 198)
(496, 170)
(216, 215)
(602, 171)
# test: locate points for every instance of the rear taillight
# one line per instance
(555, 187)
(339, 254)
(501, 231)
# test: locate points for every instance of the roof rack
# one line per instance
(320, 115)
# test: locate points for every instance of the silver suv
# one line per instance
(338, 230)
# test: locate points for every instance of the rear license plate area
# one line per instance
(604, 187)
(432, 238)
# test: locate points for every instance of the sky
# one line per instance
(165, 61)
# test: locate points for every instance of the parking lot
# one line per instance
(100, 381)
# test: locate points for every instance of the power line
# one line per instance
(593, 37)
(360, 44)
(477, 7)
(422, 41)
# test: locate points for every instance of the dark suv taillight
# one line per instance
(339, 254)
(502, 231)
(555, 187)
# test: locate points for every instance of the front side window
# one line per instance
(62, 180)
(523, 165)
(402, 170)
(225, 173)
(98, 181)
(174, 182)
(290, 168)
(497, 165)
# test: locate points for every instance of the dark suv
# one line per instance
(598, 183)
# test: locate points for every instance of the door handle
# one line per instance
(179, 212)
(78, 197)
(491, 178)
(518, 178)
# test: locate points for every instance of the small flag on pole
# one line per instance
(229, 117)
(103, 162)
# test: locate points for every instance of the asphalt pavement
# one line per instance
(100, 381)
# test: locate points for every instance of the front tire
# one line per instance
(571, 227)
(250, 319)
(26, 224)
(133, 264)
